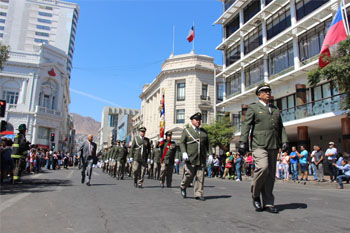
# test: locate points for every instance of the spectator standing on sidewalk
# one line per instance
(331, 156)
(238, 166)
(210, 161)
(339, 163)
(249, 164)
(216, 166)
(312, 166)
(6, 160)
(303, 162)
(319, 155)
(294, 163)
(345, 167)
(285, 165)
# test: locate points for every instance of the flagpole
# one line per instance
(345, 17)
(194, 37)
(173, 39)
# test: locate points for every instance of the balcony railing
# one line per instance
(49, 111)
(205, 97)
(314, 108)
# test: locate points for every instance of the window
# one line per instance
(180, 93)
(40, 40)
(236, 120)
(46, 7)
(232, 26)
(281, 59)
(44, 21)
(11, 97)
(113, 120)
(204, 116)
(253, 40)
(2, 28)
(46, 102)
(278, 22)
(251, 9)
(180, 116)
(2, 21)
(42, 34)
(233, 84)
(1, 34)
(220, 91)
(233, 55)
(43, 133)
(3, 13)
(324, 91)
(204, 91)
(310, 42)
(43, 27)
(45, 14)
(286, 102)
(254, 73)
(6, 1)
(305, 7)
(267, 2)
(228, 3)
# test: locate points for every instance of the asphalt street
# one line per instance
(56, 201)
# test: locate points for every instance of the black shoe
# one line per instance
(271, 209)
(118, 178)
(88, 184)
(200, 198)
(168, 186)
(82, 179)
(183, 192)
(140, 186)
(135, 184)
(257, 204)
(162, 185)
(122, 178)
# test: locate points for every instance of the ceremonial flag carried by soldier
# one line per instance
(162, 118)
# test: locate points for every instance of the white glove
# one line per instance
(161, 139)
(185, 156)
(177, 161)
(148, 161)
(131, 159)
(128, 160)
(152, 161)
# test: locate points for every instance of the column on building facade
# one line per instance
(34, 133)
(345, 129)
(241, 22)
(303, 137)
(32, 103)
(293, 16)
(23, 92)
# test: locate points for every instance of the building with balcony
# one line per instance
(278, 42)
(36, 89)
(112, 117)
(27, 24)
(187, 82)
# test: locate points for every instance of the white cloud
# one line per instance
(93, 97)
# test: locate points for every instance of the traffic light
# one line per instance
(53, 146)
(2, 108)
(3, 126)
(52, 137)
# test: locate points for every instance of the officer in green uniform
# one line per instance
(168, 151)
(19, 152)
(115, 152)
(267, 135)
(121, 159)
(194, 146)
(139, 153)
(156, 161)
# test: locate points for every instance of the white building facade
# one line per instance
(187, 82)
(278, 42)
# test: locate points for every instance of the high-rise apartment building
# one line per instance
(27, 24)
(278, 42)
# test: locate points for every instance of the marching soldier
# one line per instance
(195, 147)
(115, 150)
(121, 159)
(129, 169)
(20, 149)
(139, 153)
(264, 121)
(168, 152)
(156, 161)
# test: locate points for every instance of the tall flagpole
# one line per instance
(193, 37)
(345, 17)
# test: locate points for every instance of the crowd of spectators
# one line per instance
(36, 160)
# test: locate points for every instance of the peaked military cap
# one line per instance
(143, 129)
(197, 116)
(168, 133)
(263, 86)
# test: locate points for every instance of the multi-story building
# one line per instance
(187, 82)
(278, 42)
(111, 117)
(27, 24)
(35, 79)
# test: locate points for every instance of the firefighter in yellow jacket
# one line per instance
(19, 152)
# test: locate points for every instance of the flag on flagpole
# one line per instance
(190, 36)
(162, 119)
(335, 34)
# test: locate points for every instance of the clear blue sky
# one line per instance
(121, 44)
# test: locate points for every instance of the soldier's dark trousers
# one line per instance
(156, 171)
(264, 175)
(120, 169)
(87, 166)
(139, 170)
(166, 171)
(19, 167)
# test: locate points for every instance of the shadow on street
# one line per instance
(291, 206)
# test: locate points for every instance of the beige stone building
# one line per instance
(187, 82)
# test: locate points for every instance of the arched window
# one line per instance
(48, 94)
(10, 92)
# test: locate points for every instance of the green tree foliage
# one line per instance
(220, 133)
(4, 55)
(338, 71)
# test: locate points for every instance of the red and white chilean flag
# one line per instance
(190, 36)
(335, 34)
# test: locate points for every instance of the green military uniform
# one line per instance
(115, 152)
(156, 162)
(195, 143)
(267, 135)
(168, 152)
(122, 153)
(139, 153)
(19, 152)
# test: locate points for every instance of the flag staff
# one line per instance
(193, 38)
